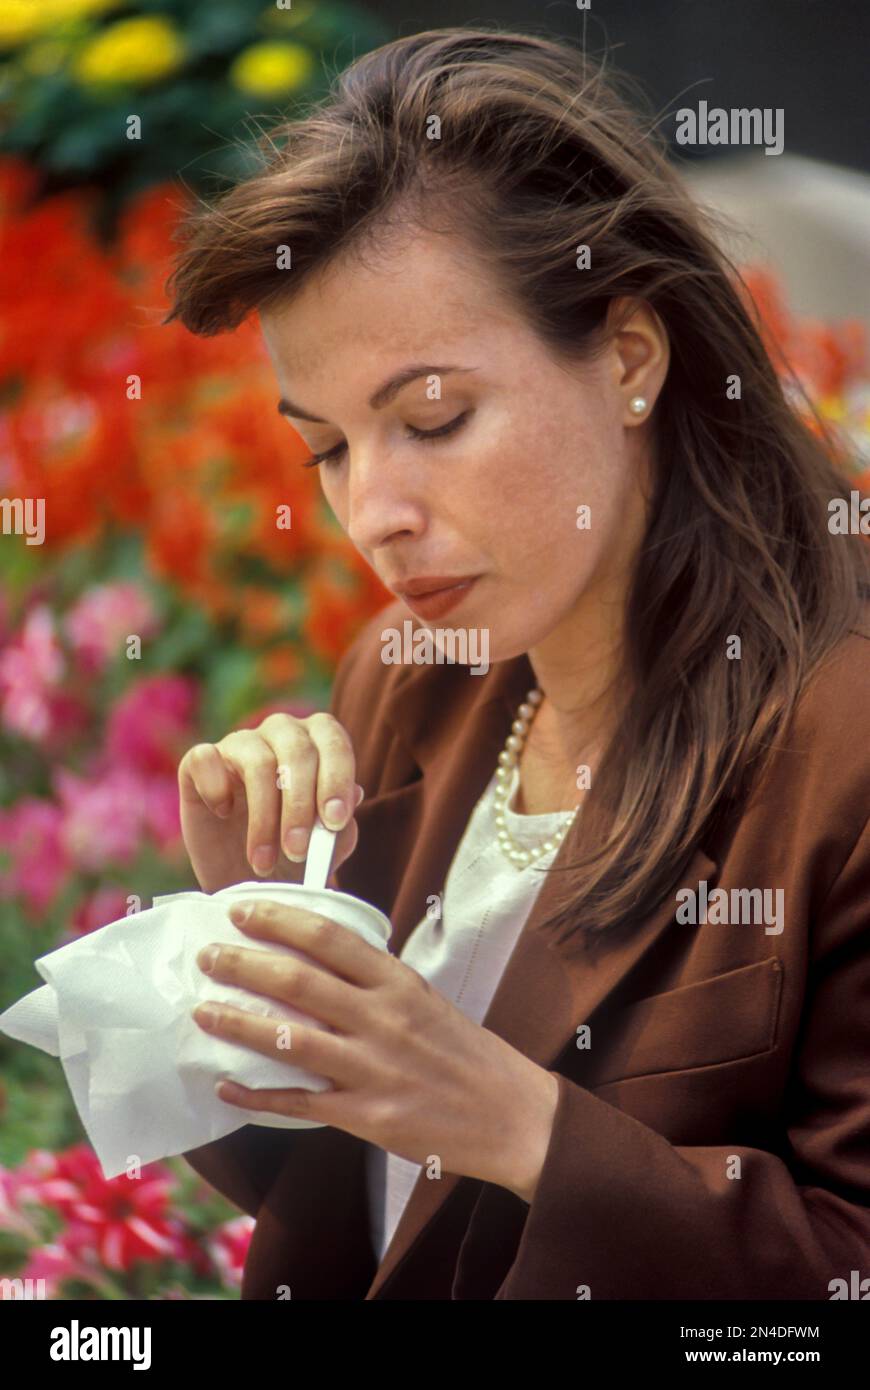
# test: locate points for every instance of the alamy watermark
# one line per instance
(441, 646)
(740, 907)
(855, 1287)
(21, 1289)
(849, 518)
(23, 516)
(740, 126)
(77, 1343)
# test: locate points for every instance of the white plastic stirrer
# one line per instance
(319, 858)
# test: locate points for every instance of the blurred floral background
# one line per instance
(176, 513)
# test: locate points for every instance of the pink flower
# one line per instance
(151, 724)
(55, 1264)
(38, 1164)
(103, 819)
(31, 833)
(229, 1248)
(121, 1220)
(105, 905)
(68, 716)
(21, 1201)
(162, 812)
(31, 666)
(12, 1218)
(109, 814)
(20, 1188)
(104, 617)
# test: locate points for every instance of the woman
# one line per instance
(619, 1047)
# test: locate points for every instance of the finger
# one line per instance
(338, 947)
(327, 1054)
(296, 769)
(336, 766)
(204, 777)
(300, 1103)
(300, 983)
(345, 844)
(254, 762)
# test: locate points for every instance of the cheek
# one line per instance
(590, 468)
(534, 485)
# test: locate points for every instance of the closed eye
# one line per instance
(332, 456)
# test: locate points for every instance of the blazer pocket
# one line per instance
(723, 1019)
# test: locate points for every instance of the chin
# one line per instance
(503, 647)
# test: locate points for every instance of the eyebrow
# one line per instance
(384, 393)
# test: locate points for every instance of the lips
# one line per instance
(431, 583)
(434, 603)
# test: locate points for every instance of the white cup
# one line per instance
(355, 914)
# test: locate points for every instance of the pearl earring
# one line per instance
(637, 405)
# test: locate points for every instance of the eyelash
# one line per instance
(332, 456)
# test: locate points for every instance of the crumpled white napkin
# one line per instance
(117, 1011)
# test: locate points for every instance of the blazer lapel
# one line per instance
(452, 729)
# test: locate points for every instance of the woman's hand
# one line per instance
(248, 802)
(409, 1072)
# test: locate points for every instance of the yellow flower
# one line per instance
(270, 69)
(131, 51)
(21, 20)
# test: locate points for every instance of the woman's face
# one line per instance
(525, 441)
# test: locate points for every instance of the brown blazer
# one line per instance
(710, 1043)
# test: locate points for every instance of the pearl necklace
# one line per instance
(508, 760)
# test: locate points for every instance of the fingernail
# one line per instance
(359, 793)
(297, 841)
(262, 859)
(240, 912)
(224, 809)
(334, 813)
(207, 957)
(206, 1015)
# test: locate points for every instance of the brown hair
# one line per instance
(537, 153)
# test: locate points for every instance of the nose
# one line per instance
(381, 505)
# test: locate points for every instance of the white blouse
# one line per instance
(487, 900)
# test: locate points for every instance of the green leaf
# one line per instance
(232, 690)
(37, 1116)
(217, 28)
(89, 141)
(187, 639)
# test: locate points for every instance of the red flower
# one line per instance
(229, 1248)
(119, 1220)
(31, 833)
(337, 611)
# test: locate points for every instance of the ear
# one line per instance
(640, 356)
